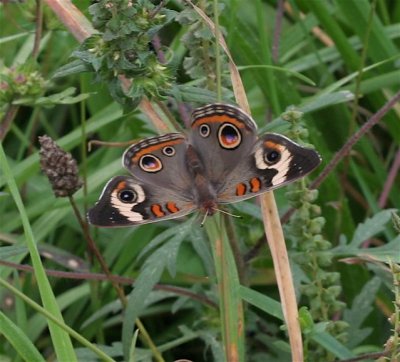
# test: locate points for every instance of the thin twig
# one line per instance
(103, 277)
(95, 251)
(390, 180)
(39, 28)
(277, 31)
(7, 120)
(354, 139)
(158, 49)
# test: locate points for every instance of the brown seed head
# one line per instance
(60, 168)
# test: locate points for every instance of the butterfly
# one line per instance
(220, 161)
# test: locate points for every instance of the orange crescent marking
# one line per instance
(171, 207)
(218, 119)
(240, 189)
(255, 184)
(273, 145)
(156, 147)
(157, 211)
(121, 185)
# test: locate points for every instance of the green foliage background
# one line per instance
(335, 61)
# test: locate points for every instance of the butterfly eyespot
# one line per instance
(229, 136)
(168, 151)
(127, 196)
(150, 163)
(272, 156)
(204, 130)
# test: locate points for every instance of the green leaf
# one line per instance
(332, 345)
(148, 277)
(361, 308)
(64, 97)
(273, 307)
(190, 93)
(8, 251)
(383, 253)
(371, 227)
(17, 337)
(75, 67)
(261, 301)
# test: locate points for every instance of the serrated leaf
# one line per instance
(187, 93)
(64, 97)
(75, 67)
(360, 310)
(389, 251)
(371, 227)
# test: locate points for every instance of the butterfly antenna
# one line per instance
(204, 218)
(228, 213)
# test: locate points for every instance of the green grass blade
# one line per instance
(21, 343)
(61, 340)
(357, 12)
(59, 323)
(332, 345)
(261, 301)
(333, 29)
(273, 308)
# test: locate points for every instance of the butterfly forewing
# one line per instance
(222, 135)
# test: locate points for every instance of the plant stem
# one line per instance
(217, 52)
(276, 242)
(7, 120)
(39, 28)
(231, 307)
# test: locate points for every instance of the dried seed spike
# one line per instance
(60, 168)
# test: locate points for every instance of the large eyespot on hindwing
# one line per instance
(229, 136)
(150, 163)
(270, 154)
(127, 196)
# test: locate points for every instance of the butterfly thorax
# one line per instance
(204, 192)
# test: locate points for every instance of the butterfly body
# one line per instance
(220, 161)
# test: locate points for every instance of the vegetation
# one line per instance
(111, 72)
